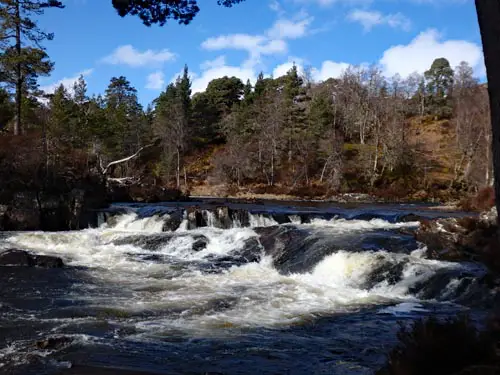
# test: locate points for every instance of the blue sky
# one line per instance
(402, 36)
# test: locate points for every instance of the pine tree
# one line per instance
(80, 90)
(439, 85)
(124, 114)
(23, 58)
(295, 112)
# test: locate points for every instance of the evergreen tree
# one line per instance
(60, 124)
(248, 93)
(294, 111)
(260, 85)
(124, 117)
(80, 90)
(439, 87)
(159, 11)
(23, 58)
(439, 77)
(6, 109)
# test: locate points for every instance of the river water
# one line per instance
(281, 289)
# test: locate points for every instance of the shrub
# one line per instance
(483, 200)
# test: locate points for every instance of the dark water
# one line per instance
(282, 289)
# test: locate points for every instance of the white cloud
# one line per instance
(233, 41)
(155, 81)
(128, 55)
(287, 29)
(331, 2)
(369, 19)
(201, 82)
(272, 42)
(418, 55)
(275, 6)
(67, 82)
(329, 69)
(283, 69)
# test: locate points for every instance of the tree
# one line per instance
(224, 93)
(6, 109)
(23, 57)
(124, 115)
(159, 11)
(488, 13)
(170, 124)
(439, 85)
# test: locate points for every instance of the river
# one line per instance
(282, 288)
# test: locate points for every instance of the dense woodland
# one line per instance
(360, 132)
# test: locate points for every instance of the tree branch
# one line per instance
(105, 170)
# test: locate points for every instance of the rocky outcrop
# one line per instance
(56, 208)
(24, 259)
(471, 239)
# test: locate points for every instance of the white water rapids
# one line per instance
(170, 279)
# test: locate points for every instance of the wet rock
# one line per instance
(410, 218)
(471, 239)
(25, 259)
(16, 258)
(293, 250)
(195, 218)
(53, 343)
(240, 216)
(173, 222)
(281, 218)
(151, 242)
(387, 272)
(200, 244)
(489, 217)
(45, 261)
(156, 242)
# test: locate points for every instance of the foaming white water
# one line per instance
(267, 298)
(254, 294)
(131, 223)
(257, 220)
(357, 225)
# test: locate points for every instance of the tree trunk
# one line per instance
(19, 77)
(178, 172)
(487, 169)
(488, 13)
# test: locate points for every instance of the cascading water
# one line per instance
(199, 299)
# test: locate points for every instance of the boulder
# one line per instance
(45, 261)
(195, 218)
(24, 259)
(173, 222)
(469, 239)
(53, 343)
(200, 244)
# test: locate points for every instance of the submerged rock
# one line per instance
(157, 241)
(25, 259)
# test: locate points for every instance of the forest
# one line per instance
(417, 137)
